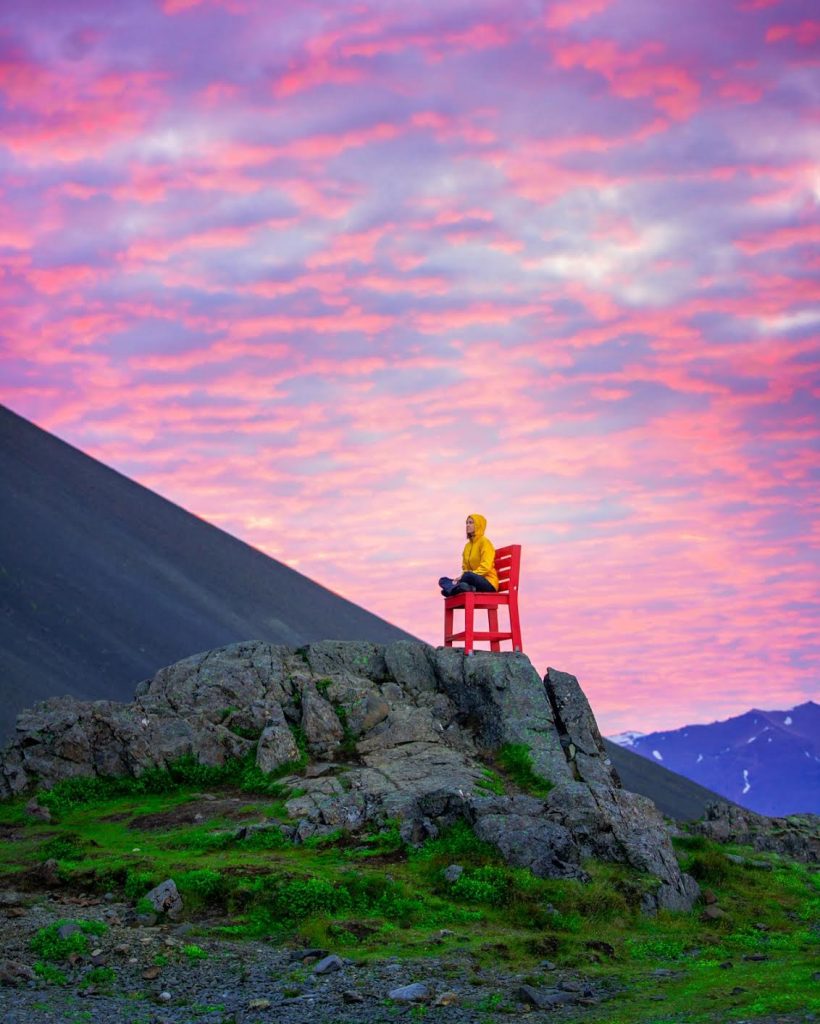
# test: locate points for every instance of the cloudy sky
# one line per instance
(333, 275)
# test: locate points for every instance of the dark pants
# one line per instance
(469, 581)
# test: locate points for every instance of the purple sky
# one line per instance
(332, 276)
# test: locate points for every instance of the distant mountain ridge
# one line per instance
(768, 761)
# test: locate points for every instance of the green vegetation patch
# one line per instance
(51, 946)
(516, 761)
(239, 773)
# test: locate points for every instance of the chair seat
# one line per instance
(479, 600)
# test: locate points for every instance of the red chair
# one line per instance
(508, 567)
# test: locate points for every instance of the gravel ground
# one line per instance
(250, 982)
(258, 983)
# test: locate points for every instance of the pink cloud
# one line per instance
(635, 74)
(314, 75)
(781, 238)
(357, 246)
(172, 7)
(560, 15)
(52, 280)
(741, 92)
(805, 34)
(69, 114)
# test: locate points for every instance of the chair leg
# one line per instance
(469, 610)
(515, 625)
(492, 618)
(448, 627)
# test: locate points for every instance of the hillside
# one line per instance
(102, 581)
(369, 833)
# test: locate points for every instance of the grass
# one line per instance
(48, 944)
(516, 761)
(369, 896)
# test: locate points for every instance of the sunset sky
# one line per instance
(333, 275)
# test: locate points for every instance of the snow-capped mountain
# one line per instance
(626, 739)
(768, 761)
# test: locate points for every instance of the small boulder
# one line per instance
(14, 973)
(542, 998)
(165, 899)
(418, 992)
(36, 810)
(329, 964)
(276, 744)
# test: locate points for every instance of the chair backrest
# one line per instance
(508, 567)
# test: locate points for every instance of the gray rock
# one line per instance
(414, 993)
(65, 931)
(453, 873)
(320, 723)
(276, 745)
(526, 836)
(543, 999)
(165, 899)
(329, 964)
(578, 731)
(797, 836)
(14, 973)
(367, 712)
(36, 810)
(503, 700)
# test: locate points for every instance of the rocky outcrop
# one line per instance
(797, 836)
(399, 731)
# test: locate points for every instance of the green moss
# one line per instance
(48, 944)
(386, 840)
(516, 761)
(50, 974)
(99, 977)
(490, 782)
(201, 887)
(240, 773)
(483, 885)
(64, 847)
(138, 883)
(709, 865)
(348, 744)
(458, 843)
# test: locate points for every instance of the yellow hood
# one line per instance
(480, 524)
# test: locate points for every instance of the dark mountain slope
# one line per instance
(102, 581)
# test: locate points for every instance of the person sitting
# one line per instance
(477, 562)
